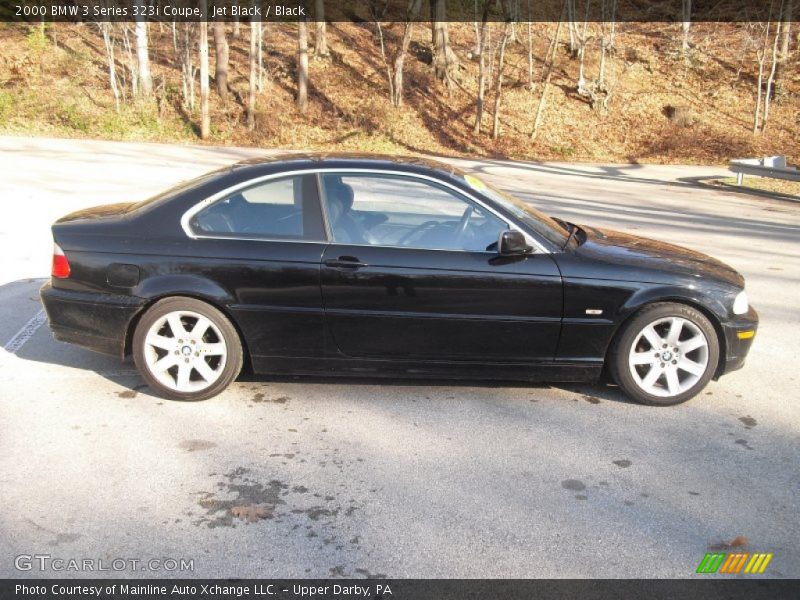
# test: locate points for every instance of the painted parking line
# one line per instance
(26, 333)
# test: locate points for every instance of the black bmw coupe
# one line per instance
(371, 265)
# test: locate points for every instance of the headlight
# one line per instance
(740, 304)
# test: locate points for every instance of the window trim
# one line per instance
(196, 208)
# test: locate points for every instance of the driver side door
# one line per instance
(412, 272)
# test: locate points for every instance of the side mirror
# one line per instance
(512, 243)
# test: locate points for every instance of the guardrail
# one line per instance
(771, 166)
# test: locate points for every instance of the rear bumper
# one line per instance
(93, 320)
(739, 335)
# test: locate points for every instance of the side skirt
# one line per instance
(471, 371)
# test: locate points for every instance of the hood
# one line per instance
(98, 212)
(644, 259)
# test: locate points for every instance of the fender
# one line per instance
(671, 293)
(180, 284)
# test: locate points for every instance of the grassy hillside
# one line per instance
(56, 83)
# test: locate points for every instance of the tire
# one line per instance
(180, 364)
(653, 366)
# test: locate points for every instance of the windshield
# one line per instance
(538, 222)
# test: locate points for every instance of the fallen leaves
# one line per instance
(737, 542)
(252, 513)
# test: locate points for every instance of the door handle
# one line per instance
(344, 262)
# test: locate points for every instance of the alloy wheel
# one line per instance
(668, 356)
(185, 351)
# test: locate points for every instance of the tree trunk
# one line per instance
(530, 52)
(481, 94)
(105, 28)
(498, 90)
(445, 61)
(687, 22)
(205, 117)
(771, 78)
(142, 56)
(786, 29)
(221, 54)
(320, 37)
(302, 66)
(551, 67)
(255, 28)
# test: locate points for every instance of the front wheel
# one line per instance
(665, 355)
(186, 349)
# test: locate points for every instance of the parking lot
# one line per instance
(349, 478)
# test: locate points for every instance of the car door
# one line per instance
(267, 240)
(412, 272)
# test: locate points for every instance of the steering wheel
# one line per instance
(462, 224)
(418, 229)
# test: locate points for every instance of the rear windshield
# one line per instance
(176, 190)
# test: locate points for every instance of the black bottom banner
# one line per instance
(396, 589)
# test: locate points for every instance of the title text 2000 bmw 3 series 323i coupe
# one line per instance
(370, 265)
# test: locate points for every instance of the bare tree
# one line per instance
(445, 62)
(255, 29)
(583, 38)
(142, 55)
(320, 30)
(550, 66)
(188, 68)
(260, 57)
(133, 68)
(771, 78)
(530, 48)
(205, 117)
(221, 55)
(395, 65)
(687, 22)
(481, 94)
(498, 89)
(302, 65)
(106, 28)
(786, 27)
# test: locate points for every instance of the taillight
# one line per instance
(60, 263)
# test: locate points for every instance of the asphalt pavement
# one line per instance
(349, 478)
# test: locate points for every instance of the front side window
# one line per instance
(393, 210)
(286, 208)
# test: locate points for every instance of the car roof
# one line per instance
(319, 160)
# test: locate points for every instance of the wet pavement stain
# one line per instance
(694, 493)
(581, 497)
(195, 445)
(260, 397)
(369, 575)
(132, 393)
(743, 442)
(748, 421)
(574, 485)
(247, 493)
(591, 399)
(622, 464)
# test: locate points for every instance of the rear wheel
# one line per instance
(186, 349)
(665, 355)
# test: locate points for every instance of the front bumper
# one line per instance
(739, 334)
(93, 320)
